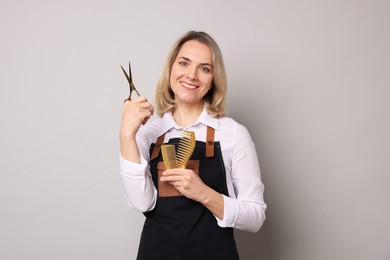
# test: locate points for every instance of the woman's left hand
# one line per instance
(187, 182)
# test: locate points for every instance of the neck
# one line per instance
(185, 115)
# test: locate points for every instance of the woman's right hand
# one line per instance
(135, 113)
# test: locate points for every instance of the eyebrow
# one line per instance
(203, 64)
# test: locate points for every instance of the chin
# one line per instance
(188, 100)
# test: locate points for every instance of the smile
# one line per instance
(188, 86)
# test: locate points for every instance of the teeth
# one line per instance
(188, 85)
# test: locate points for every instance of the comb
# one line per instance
(169, 156)
(185, 149)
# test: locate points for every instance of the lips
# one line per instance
(187, 85)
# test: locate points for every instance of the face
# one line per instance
(192, 73)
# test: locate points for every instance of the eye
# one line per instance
(183, 63)
(205, 69)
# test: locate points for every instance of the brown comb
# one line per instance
(169, 156)
(185, 149)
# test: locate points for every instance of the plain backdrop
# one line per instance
(309, 79)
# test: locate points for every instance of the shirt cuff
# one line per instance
(230, 212)
(131, 169)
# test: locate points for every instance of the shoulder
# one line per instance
(230, 131)
(231, 126)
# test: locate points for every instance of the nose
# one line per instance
(192, 73)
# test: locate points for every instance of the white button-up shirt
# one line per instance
(244, 208)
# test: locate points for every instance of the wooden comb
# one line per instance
(186, 148)
(169, 155)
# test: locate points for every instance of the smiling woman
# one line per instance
(191, 77)
(215, 98)
(190, 213)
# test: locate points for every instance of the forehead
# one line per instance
(196, 52)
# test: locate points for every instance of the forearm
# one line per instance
(137, 185)
(248, 216)
(243, 215)
(129, 148)
(140, 194)
(134, 114)
(214, 202)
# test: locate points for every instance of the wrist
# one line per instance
(129, 148)
(209, 196)
(126, 135)
(214, 201)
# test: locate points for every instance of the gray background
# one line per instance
(310, 80)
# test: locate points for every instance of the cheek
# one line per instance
(176, 72)
(209, 81)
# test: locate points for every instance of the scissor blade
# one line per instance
(131, 77)
(127, 76)
(132, 87)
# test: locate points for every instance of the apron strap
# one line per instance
(157, 146)
(210, 142)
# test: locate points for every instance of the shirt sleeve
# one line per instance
(245, 211)
(138, 188)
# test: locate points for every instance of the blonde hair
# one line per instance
(215, 99)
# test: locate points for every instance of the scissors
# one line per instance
(131, 84)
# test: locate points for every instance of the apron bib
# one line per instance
(179, 228)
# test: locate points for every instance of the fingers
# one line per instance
(170, 176)
(134, 113)
(138, 106)
(140, 99)
(140, 102)
(177, 172)
(186, 181)
(176, 175)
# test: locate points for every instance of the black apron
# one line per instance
(179, 228)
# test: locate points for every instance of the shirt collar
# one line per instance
(167, 122)
(206, 119)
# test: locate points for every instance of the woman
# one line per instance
(190, 213)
